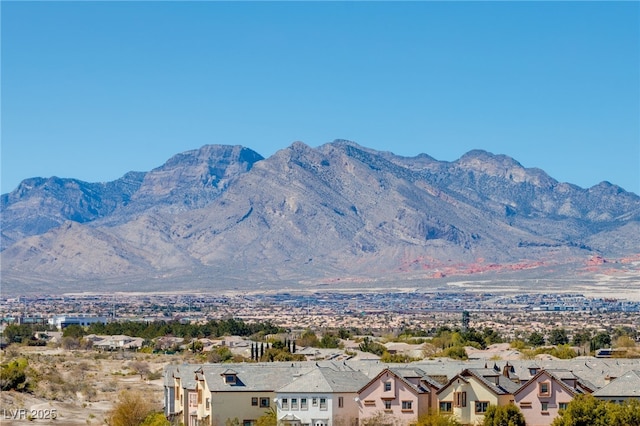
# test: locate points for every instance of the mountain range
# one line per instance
(224, 216)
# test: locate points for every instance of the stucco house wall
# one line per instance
(397, 400)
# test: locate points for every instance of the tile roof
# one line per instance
(326, 380)
(627, 385)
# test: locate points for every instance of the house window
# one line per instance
(407, 405)
(230, 378)
(459, 399)
(446, 406)
(563, 405)
(207, 404)
(303, 404)
(323, 403)
(247, 422)
(545, 406)
(544, 389)
(294, 403)
(481, 406)
(387, 386)
(254, 401)
(340, 402)
(314, 402)
(387, 404)
(264, 402)
(285, 404)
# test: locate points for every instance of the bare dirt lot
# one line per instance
(79, 387)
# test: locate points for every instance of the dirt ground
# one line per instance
(79, 387)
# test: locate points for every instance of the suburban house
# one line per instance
(169, 398)
(323, 396)
(468, 394)
(184, 403)
(546, 393)
(116, 342)
(346, 393)
(622, 388)
(244, 391)
(401, 393)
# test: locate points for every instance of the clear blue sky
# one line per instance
(92, 90)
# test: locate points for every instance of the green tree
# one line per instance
(308, 338)
(329, 341)
(221, 354)
(536, 339)
(627, 414)
(456, 352)
(491, 336)
(563, 352)
(343, 333)
(601, 340)
(558, 336)
(15, 333)
(504, 415)
(581, 337)
(269, 418)
(584, 410)
(73, 330)
(369, 345)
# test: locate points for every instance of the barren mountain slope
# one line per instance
(338, 211)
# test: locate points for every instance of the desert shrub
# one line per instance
(437, 419)
(156, 419)
(14, 376)
(455, 352)
(131, 409)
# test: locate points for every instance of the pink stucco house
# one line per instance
(402, 394)
(546, 393)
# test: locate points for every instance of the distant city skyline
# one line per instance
(92, 90)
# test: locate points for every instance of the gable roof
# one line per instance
(403, 374)
(251, 377)
(187, 375)
(556, 376)
(627, 385)
(326, 380)
(504, 386)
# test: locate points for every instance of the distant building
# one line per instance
(62, 321)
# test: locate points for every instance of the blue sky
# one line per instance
(92, 90)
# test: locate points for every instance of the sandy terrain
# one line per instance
(79, 387)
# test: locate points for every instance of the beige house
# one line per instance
(468, 394)
(185, 397)
(242, 392)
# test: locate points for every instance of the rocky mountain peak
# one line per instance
(502, 166)
(307, 215)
